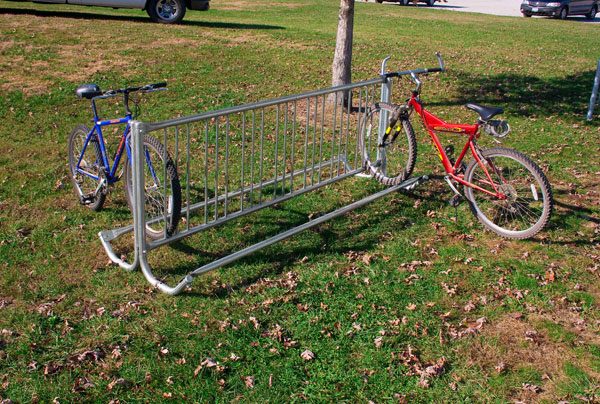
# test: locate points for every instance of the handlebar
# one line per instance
(148, 88)
(416, 72)
(127, 90)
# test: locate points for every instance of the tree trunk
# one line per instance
(342, 59)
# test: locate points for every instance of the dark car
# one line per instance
(560, 9)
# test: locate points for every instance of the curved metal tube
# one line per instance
(117, 260)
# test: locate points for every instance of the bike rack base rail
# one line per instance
(239, 160)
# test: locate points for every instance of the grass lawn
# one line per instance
(380, 297)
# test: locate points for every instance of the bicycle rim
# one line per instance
(526, 207)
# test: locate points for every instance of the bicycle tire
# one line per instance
(157, 230)
(393, 162)
(518, 206)
(92, 163)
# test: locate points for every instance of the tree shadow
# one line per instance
(274, 260)
(524, 95)
(131, 18)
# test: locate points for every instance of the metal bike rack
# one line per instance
(242, 159)
(594, 96)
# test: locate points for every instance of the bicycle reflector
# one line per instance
(497, 128)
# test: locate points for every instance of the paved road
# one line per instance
(495, 7)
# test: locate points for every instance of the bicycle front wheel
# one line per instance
(389, 159)
(528, 202)
(162, 190)
(86, 169)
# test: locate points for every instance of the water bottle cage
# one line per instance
(497, 128)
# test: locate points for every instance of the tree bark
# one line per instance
(342, 59)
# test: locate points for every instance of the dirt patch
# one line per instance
(16, 74)
(4, 45)
(513, 343)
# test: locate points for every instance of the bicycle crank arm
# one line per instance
(451, 185)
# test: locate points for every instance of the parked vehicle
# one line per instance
(428, 3)
(163, 11)
(560, 9)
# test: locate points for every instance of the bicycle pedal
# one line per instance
(86, 200)
(455, 200)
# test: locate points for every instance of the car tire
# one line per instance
(166, 11)
(592, 14)
(429, 3)
(379, 1)
(404, 2)
(526, 15)
(563, 14)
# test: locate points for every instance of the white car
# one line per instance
(163, 11)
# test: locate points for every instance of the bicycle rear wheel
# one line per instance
(86, 187)
(528, 204)
(390, 158)
(162, 190)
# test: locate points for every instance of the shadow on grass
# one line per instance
(348, 236)
(131, 18)
(524, 95)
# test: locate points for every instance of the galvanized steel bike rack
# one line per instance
(242, 159)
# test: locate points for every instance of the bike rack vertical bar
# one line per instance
(386, 92)
(205, 171)
(293, 141)
(276, 151)
(243, 158)
(138, 160)
(226, 164)
(217, 168)
(306, 130)
(187, 179)
(285, 129)
(335, 102)
(321, 139)
(594, 97)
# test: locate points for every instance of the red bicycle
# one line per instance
(506, 190)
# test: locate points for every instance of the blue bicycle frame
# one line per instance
(110, 172)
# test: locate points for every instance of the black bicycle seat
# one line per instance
(88, 91)
(486, 113)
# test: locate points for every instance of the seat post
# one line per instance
(94, 110)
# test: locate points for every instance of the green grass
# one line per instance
(59, 298)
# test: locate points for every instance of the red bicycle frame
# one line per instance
(434, 124)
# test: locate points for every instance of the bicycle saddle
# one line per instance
(486, 113)
(88, 91)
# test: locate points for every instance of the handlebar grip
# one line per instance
(162, 84)
(435, 70)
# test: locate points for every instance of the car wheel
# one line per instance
(592, 14)
(564, 12)
(526, 15)
(404, 2)
(429, 3)
(379, 1)
(166, 11)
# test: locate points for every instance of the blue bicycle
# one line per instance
(92, 174)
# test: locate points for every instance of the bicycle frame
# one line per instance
(434, 124)
(110, 172)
